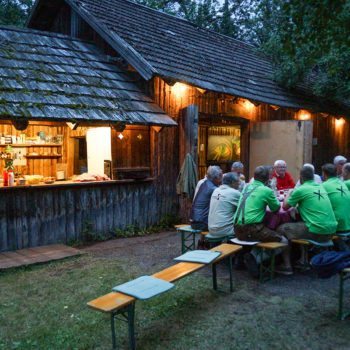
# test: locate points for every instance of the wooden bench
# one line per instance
(343, 276)
(188, 236)
(267, 272)
(306, 244)
(115, 303)
(269, 249)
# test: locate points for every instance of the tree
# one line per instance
(15, 12)
(310, 41)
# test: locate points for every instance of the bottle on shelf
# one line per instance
(11, 178)
(5, 177)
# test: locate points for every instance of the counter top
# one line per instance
(69, 183)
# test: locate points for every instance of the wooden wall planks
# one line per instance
(331, 138)
(32, 217)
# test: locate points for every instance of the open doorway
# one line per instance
(221, 142)
(80, 155)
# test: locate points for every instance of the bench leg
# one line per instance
(131, 326)
(215, 282)
(128, 315)
(230, 267)
(341, 295)
(188, 241)
(266, 273)
(114, 340)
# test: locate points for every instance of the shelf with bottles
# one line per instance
(32, 145)
(43, 156)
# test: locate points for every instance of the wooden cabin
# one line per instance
(100, 87)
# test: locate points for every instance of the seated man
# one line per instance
(201, 202)
(339, 195)
(317, 178)
(346, 175)
(319, 223)
(283, 178)
(238, 167)
(339, 162)
(250, 215)
(223, 205)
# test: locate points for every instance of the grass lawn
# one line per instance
(44, 307)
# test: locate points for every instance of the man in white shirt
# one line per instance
(223, 206)
(317, 178)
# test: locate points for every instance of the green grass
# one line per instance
(44, 307)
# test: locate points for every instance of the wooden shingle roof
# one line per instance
(55, 77)
(156, 43)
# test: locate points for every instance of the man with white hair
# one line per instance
(346, 175)
(223, 206)
(238, 168)
(283, 178)
(339, 162)
(317, 178)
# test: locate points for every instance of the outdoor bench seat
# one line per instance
(307, 243)
(188, 236)
(116, 303)
(266, 253)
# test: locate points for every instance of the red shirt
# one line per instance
(284, 182)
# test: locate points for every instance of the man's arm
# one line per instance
(273, 202)
(292, 199)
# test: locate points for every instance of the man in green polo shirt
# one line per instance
(250, 215)
(319, 223)
(346, 175)
(339, 195)
(252, 209)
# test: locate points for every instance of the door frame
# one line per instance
(215, 120)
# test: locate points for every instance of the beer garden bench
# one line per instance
(118, 304)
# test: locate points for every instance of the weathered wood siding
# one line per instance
(331, 138)
(33, 217)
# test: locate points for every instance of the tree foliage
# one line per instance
(309, 41)
(14, 12)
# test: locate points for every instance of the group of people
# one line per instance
(225, 205)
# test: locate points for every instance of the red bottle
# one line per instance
(5, 176)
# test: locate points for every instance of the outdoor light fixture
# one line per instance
(120, 136)
(20, 124)
(202, 91)
(139, 136)
(339, 122)
(157, 128)
(248, 105)
(72, 126)
(119, 127)
(304, 115)
(274, 107)
(179, 89)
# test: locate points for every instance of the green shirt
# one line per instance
(314, 207)
(347, 184)
(339, 195)
(256, 203)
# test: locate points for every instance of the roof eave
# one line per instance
(144, 68)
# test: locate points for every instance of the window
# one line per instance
(131, 153)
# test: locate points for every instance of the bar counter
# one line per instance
(67, 211)
(70, 183)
